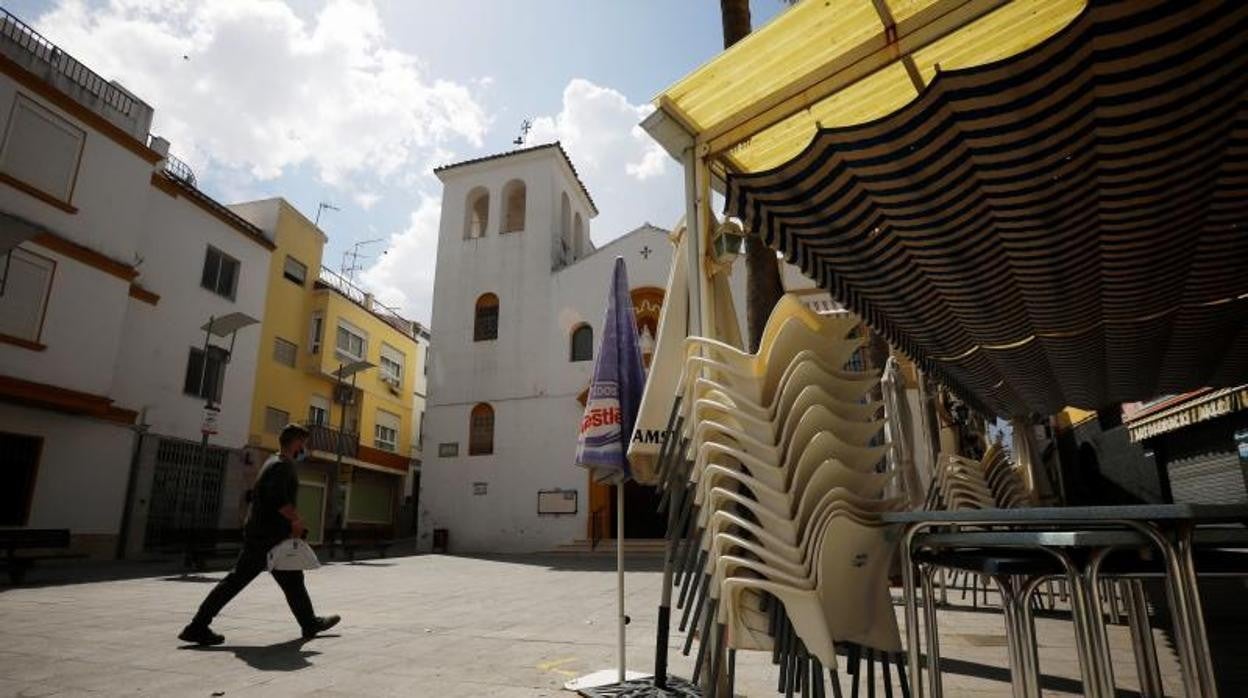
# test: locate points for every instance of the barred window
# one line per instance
(485, 326)
(481, 431)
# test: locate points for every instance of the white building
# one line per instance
(408, 520)
(518, 306)
(101, 303)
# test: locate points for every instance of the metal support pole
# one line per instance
(619, 568)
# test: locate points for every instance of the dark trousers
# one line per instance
(251, 562)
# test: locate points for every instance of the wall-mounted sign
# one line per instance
(556, 502)
(209, 426)
(1241, 443)
(479, 488)
(448, 450)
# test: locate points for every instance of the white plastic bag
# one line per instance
(293, 554)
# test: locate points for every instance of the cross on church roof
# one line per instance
(645, 252)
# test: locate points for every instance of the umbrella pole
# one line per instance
(619, 568)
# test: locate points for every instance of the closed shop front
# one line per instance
(1203, 461)
(373, 498)
(1195, 444)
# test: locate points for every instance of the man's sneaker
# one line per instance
(200, 635)
(322, 624)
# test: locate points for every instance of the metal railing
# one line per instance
(179, 169)
(389, 315)
(34, 43)
(329, 440)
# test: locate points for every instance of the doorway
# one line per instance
(18, 467)
(642, 519)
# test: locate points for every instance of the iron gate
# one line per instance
(184, 495)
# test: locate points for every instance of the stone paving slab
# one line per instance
(422, 626)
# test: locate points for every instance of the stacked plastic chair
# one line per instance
(772, 479)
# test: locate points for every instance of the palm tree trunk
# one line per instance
(763, 286)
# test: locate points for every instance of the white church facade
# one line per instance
(518, 303)
(519, 297)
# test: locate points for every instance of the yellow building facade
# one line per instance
(316, 325)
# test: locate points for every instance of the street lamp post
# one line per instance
(222, 327)
(344, 370)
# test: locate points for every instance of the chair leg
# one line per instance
(853, 670)
(901, 676)
(870, 673)
(888, 677)
(835, 679)
(782, 640)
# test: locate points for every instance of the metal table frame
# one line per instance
(1041, 527)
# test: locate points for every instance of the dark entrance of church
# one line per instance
(641, 516)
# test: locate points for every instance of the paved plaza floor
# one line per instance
(420, 626)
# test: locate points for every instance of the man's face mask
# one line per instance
(301, 455)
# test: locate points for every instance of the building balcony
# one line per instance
(32, 52)
(325, 441)
(329, 440)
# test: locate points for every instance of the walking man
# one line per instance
(271, 519)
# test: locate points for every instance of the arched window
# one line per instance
(583, 343)
(485, 324)
(578, 231)
(477, 214)
(514, 206)
(481, 430)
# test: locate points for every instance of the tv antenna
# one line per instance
(351, 258)
(524, 133)
(321, 207)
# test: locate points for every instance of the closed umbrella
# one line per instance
(610, 414)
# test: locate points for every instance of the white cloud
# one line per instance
(366, 199)
(403, 277)
(629, 175)
(254, 87)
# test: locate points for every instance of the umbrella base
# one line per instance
(645, 688)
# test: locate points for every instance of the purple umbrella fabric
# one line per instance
(615, 393)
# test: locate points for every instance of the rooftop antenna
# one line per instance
(524, 133)
(320, 208)
(351, 258)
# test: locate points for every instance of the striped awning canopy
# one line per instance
(1067, 225)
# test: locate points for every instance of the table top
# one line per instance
(1046, 539)
(1199, 513)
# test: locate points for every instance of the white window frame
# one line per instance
(394, 356)
(303, 271)
(46, 264)
(391, 445)
(238, 271)
(24, 103)
(319, 403)
(343, 325)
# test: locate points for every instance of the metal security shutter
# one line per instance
(1203, 463)
(186, 489)
(1212, 478)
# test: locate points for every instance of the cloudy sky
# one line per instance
(353, 102)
